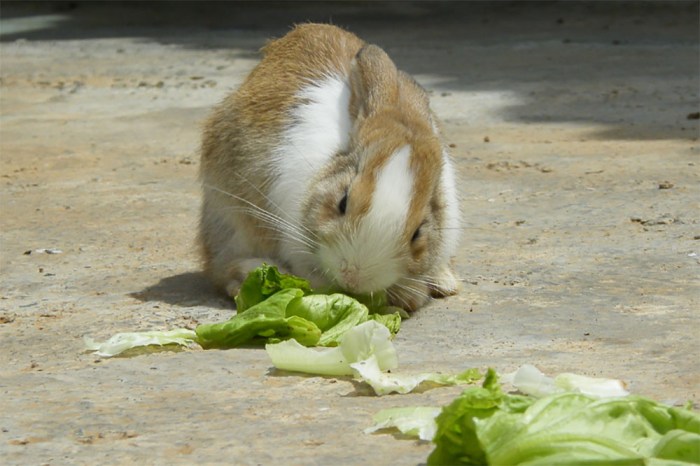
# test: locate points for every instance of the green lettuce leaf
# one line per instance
(266, 319)
(415, 421)
(486, 426)
(365, 351)
(273, 307)
(265, 281)
(530, 381)
(456, 440)
(368, 370)
(333, 314)
(358, 343)
(289, 355)
(376, 302)
(121, 342)
(390, 321)
(312, 320)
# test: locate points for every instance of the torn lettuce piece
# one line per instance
(312, 320)
(456, 440)
(368, 339)
(592, 386)
(390, 321)
(333, 314)
(266, 319)
(364, 351)
(374, 301)
(416, 421)
(368, 370)
(289, 355)
(378, 303)
(358, 343)
(265, 281)
(124, 341)
(486, 426)
(529, 380)
(573, 428)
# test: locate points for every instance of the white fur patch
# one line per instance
(393, 192)
(320, 128)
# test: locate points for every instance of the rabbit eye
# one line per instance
(416, 235)
(343, 204)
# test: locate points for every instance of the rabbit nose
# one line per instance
(350, 274)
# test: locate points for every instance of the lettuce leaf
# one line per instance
(311, 320)
(415, 421)
(456, 440)
(369, 339)
(366, 352)
(573, 428)
(273, 307)
(486, 426)
(266, 320)
(333, 314)
(369, 371)
(121, 342)
(268, 309)
(390, 321)
(265, 281)
(378, 303)
(529, 380)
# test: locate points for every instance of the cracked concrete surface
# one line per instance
(574, 128)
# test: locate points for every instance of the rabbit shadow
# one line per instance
(185, 290)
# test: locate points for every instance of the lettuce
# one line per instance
(265, 320)
(272, 307)
(378, 304)
(366, 352)
(415, 421)
(456, 440)
(486, 426)
(572, 428)
(369, 339)
(369, 371)
(390, 321)
(333, 314)
(263, 282)
(121, 342)
(529, 380)
(275, 307)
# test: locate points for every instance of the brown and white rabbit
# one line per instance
(327, 162)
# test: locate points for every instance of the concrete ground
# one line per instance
(575, 131)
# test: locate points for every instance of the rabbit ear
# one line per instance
(373, 81)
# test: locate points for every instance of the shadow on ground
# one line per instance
(185, 290)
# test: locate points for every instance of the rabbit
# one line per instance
(328, 163)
